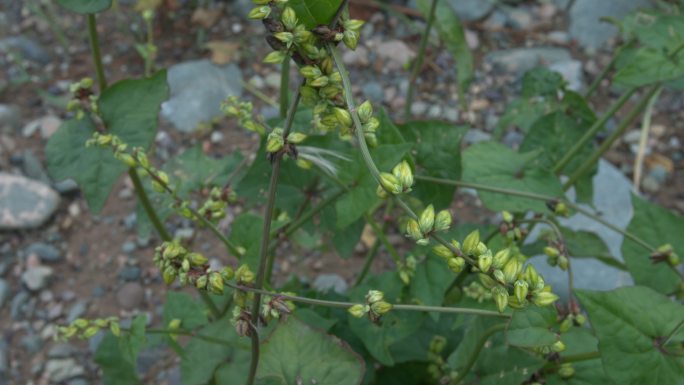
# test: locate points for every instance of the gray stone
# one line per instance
(520, 60)
(130, 296)
(359, 56)
(475, 136)
(32, 343)
(373, 91)
(4, 292)
(62, 350)
(585, 19)
(571, 70)
(197, 90)
(128, 247)
(612, 199)
(27, 48)
(35, 278)
(44, 251)
(520, 18)
(78, 381)
(76, 311)
(65, 186)
(46, 125)
(418, 108)
(326, 282)
(62, 369)
(558, 37)
(18, 303)
(24, 203)
(10, 118)
(469, 10)
(130, 273)
(395, 53)
(4, 357)
(184, 233)
(32, 168)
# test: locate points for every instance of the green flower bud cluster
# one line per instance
(398, 182)
(351, 34)
(214, 208)
(375, 306)
(407, 269)
(556, 347)
(274, 307)
(559, 208)
(477, 292)
(427, 223)
(572, 320)
(82, 98)
(666, 253)
(438, 366)
(83, 328)
(455, 263)
(556, 256)
(243, 111)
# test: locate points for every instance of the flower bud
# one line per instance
(289, 18)
(127, 159)
(413, 230)
(558, 346)
(244, 275)
(533, 278)
(443, 220)
(484, 262)
(365, 111)
(350, 39)
(275, 142)
(507, 216)
(227, 273)
(500, 297)
(390, 183)
(374, 296)
(275, 57)
(201, 282)
(90, 331)
(197, 259)
(521, 289)
(343, 116)
(499, 276)
(404, 175)
(544, 298)
(565, 325)
(381, 307)
(470, 242)
(169, 275)
(358, 310)
(561, 209)
(566, 370)
(563, 262)
(487, 281)
(456, 264)
(216, 283)
(372, 125)
(426, 220)
(80, 323)
(259, 13)
(580, 319)
(381, 193)
(319, 82)
(185, 265)
(551, 251)
(310, 72)
(353, 24)
(512, 269)
(500, 258)
(115, 329)
(443, 252)
(296, 137)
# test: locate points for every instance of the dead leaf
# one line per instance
(368, 236)
(206, 18)
(654, 160)
(222, 52)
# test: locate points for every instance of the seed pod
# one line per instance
(484, 262)
(374, 296)
(390, 183)
(512, 269)
(310, 72)
(169, 275)
(289, 18)
(216, 283)
(487, 281)
(533, 278)
(365, 111)
(558, 346)
(259, 13)
(521, 289)
(544, 298)
(456, 264)
(372, 125)
(426, 221)
(275, 57)
(358, 310)
(507, 216)
(501, 257)
(381, 307)
(274, 143)
(551, 251)
(296, 137)
(343, 116)
(319, 82)
(201, 282)
(500, 297)
(471, 242)
(563, 262)
(353, 24)
(443, 220)
(566, 370)
(499, 276)
(443, 252)
(413, 230)
(350, 39)
(404, 175)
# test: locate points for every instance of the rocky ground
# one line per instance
(58, 262)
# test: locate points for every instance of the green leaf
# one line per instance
(193, 169)
(246, 232)
(655, 29)
(201, 358)
(650, 66)
(585, 244)
(589, 372)
(656, 226)
(345, 239)
(86, 6)
(431, 280)
(379, 338)
(452, 33)
(531, 327)
(296, 354)
(315, 12)
(117, 356)
(629, 322)
(184, 307)
(542, 82)
(493, 164)
(129, 110)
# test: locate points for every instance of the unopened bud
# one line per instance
(533, 278)
(470, 242)
(507, 216)
(289, 18)
(566, 370)
(390, 183)
(350, 39)
(353, 24)
(216, 283)
(500, 258)
(169, 275)
(227, 273)
(500, 297)
(275, 57)
(558, 346)
(319, 82)
(201, 282)
(521, 289)
(115, 329)
(274, 143)
(499, 276)
(544, 298)
(296, 137)
(484, 262)
(565, 325)
(413, 230)
(404, 175)
(365, 111)
(197, 259)
(358, 310)
(512, 269)
(259, 13)
(310, 72)
(456, 264)
(374, 296)
(442, 251)
(381, 307)
(443, 220)
(426, 220)
(343, 116)
(563, 262)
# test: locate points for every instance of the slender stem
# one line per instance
(673, 332)
(259, 95)
(345, 305)
(597, 82)
(95, 50)
(370, 257)
(643, 139)
(418, 64)
(476, 352)
(540, 197)
(560, 239)
(254, 363)
(379, 232)
(581, 357)
(188, 333)
(147, 205)
(626, 123)
(592, 131)
(284, 87)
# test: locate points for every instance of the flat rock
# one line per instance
(35, 278)
(469, 10)
(28, 48)
(197, 90)
(395, 52)
(521, 60)
(25, 203)
(572, 72)
(10, 118)
(585, 19)
(62, 369)
(46, 125)
(44, 251)
(130, 296)
(327, 282)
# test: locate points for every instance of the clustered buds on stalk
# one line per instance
(665, 253)
(438, 367)
(427, 224)
(375, 307)
(243, 111)
(556, 254)
(82, 98)
(274, 307)
(398, 182)
(558, 208)
(84, 328)
(407, 269)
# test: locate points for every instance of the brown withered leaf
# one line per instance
(222, 52)
(206, 18)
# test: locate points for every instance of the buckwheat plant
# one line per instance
(461, 304)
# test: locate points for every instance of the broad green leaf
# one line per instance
(315, 12)
(542, 82)
(345, 239)
(201, 358)
(296, 354)
(409, 373)
(495, 165)
(629, 323)
(452, 33)
(655, 29)
(650, 66)
(117, 356)
(585, 244)
(656, 226)
(184, 307)
(416, 346)
(589, 372)
(129, 110)
(430, 282)
(193, 169)
(437, 153)
(532, 327)
(86, 6)
(246, 233)
(394, 327)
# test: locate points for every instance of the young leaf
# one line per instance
(656, 226)
(496, 165)
(531, 327)
(650, 66)
(432, 279)
(201, 358)
(630, 323)
(295, 353)
(86, 6)
(117, 356)
(588, 372)
(246, 233)
(315, 12)
(184, 307)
